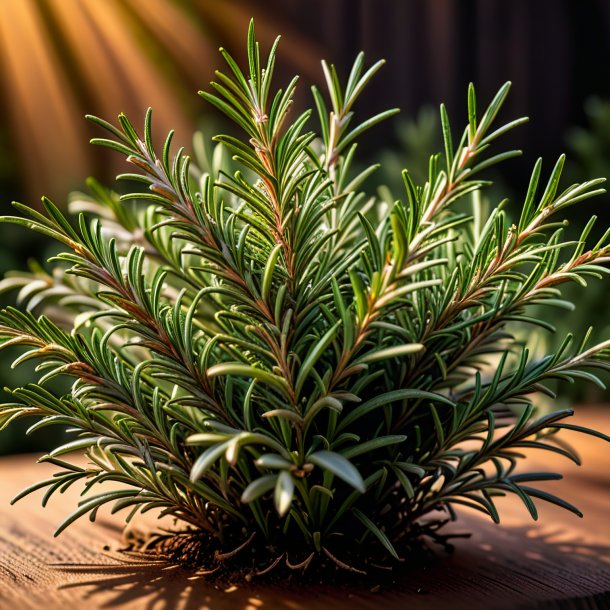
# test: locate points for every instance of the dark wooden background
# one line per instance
(556, 53)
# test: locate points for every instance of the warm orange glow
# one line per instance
(34, 90)
(62, 59)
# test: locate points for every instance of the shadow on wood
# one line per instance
(560, 563)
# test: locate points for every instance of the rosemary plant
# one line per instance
(279, 362)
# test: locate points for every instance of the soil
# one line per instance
(559, 562)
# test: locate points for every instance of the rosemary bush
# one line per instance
(276, 360)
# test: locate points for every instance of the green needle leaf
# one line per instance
(339, 466)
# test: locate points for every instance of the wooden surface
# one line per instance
(560, 562)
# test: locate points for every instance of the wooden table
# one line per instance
(559, 562)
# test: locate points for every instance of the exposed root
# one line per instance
(228, 555)
(380, 567)
(300, 566)
(237, 559)
(342, 564)
(271, 566)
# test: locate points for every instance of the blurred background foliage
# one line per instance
(62, 59)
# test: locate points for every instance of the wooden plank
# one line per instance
(560, 562)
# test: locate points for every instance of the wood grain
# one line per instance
(559, 562)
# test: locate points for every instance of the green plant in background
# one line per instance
(591, 145)
(270, 358)
(418, 139)
(420, 136)
(590, 156)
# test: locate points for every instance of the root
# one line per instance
(300, 566)
(245, 559)
(228, 555)
(342, 564)
(270, 567)
(380, 567)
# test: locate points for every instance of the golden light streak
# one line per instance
(62, 59)
(179, 36)
(37, 95)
